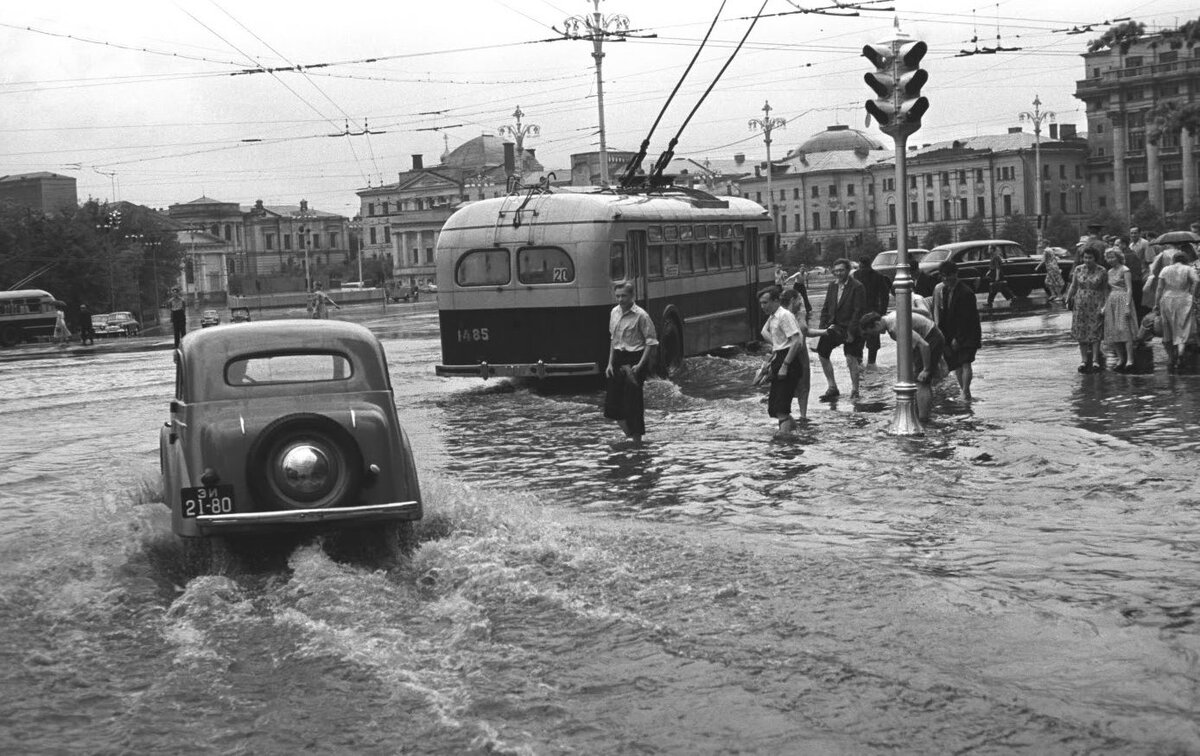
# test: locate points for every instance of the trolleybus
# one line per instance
(26, 314)
(527, 280)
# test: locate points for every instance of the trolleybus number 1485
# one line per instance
(472, 334)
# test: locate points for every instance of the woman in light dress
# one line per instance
(1054, 278)
(1085, 298)
(1178, 286)
(1120, 320)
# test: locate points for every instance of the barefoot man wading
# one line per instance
(633, 342)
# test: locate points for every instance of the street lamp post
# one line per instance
(597, 27)
(518, 133)
(767, 124)
(1036, 116)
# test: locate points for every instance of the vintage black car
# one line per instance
(1023, 273)
(287, 425)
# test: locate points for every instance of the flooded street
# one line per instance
(1026, 577)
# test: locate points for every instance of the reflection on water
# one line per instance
(1024, 577)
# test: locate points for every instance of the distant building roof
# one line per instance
(34, 176)
(838, 138)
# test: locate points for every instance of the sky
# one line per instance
(147, 102)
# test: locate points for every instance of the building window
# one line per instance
(978, 175)
(370, 208)
(849, 190)
(1062, 201)
(1046, 171)
(851, 219)
(816, 192)
(228, 232)
(833, 219)
(758, 197)
(929, 210)
(928, 179)
(782, 224)
(892, 213)
(384, 211)
(1045, 201)
(783, 195)
(980, 206)
(1008, 206)
(912, 182)
(270, 240)
(429, 254)
(1062, 171)
(416, 256)
(963, 208)
(316, 242)
(816, 222)
(796, 193)
(287, 241)
(962, 175)
(1078, 171)
(833, 190)
(945, 209)
(1104, 202)
(387, 234)
(371, 235)
(871, 189)
(945, 178)
(913, 207)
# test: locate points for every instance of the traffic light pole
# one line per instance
(905, 421)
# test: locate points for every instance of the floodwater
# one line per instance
(1025, 577)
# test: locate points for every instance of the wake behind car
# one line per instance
(1023, 273)
(287, 425)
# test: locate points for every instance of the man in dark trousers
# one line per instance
(632, 346)
(956, 314)
(878, 293)
(87, 332)
(845, 303)
(178, 307)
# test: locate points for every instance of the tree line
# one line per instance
(111, 257)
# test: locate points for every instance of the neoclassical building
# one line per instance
(841, 183)
(1123, 90)
(402, 220)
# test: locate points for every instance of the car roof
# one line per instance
(205, 353)
(974, 243)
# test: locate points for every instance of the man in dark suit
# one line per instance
(956, 314)
(878, 294)
(845, 303)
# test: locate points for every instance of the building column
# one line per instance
(1154, 182)
(1120, 173)
(1190, 190)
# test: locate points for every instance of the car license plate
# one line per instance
(207, 500)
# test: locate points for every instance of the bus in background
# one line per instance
(527, 279)
(26, 314)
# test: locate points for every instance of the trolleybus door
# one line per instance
(755, 318)
(637, 267)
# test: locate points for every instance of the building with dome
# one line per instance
(840, 184)
(401, 221)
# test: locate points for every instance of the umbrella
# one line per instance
(1177, 237)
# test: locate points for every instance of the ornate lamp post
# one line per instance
(110, 223)
(1036, 116)
(597, 27)
(518, 133)
(767, 124)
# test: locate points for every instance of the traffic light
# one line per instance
(897, 81)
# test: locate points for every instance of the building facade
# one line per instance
(401, 221)
(841, 184)
(45, 192)
(295, 240)
(1133, 158)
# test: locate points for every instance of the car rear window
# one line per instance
(308, 367)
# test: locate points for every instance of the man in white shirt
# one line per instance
(782, 332)
(633, 341)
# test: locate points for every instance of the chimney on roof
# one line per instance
(1054, 131)
(304, 206)
(258, 205)
(1015, 129)
(418, 162)
(739, 158)
(510, 159)
(1067, 131)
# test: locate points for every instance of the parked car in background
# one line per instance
(286, 426)
(209, 318)
(885, 262)
(1022, 272)
(397, 293)
(239, 314)
(116, 324)
(428, 288)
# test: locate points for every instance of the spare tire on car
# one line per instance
(304, 461)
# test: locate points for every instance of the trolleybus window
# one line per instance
(484, 267)
(654, 261)
(698, 263)
(714, 260)
(739, 253)
(655, 233)
(670, 260)
(543, 265)
(670, 233)
(616, 262)
(685, 258)
(685, 233)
